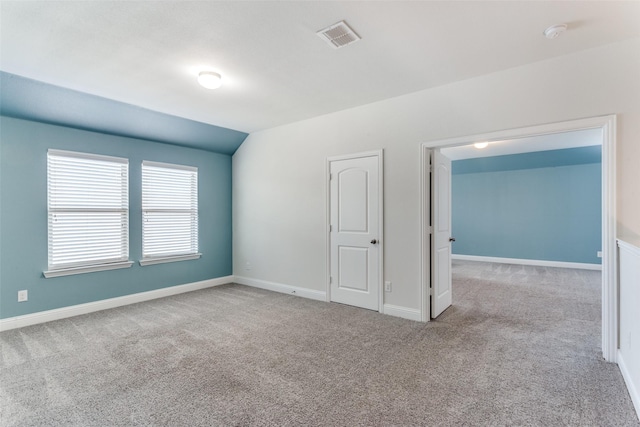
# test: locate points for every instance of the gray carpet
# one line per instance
(520, 347)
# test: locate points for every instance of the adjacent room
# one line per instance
(273, 213)
(535, 200)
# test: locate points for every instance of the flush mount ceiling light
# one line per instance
(481, 145)
(555, 30)
(209, 79)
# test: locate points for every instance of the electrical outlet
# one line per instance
(599, 253)
(247, 266)
(23, 295)
(387, 286)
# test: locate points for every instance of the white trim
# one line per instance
(520, 261)
(162, 260)
(87, 231)
(634, 392)
(425, 234)
(282, 288)
(524, 132)
(169, 212)
(635, 250)
(87, 156)
(169, 166)
(327, 231)
(90, 307)
(609, 252)
(86, 269)
(610, 324)
(404, 312)
(381, 294)
(371, 153)
(380, 155)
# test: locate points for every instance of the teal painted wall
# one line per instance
(538, 159)
(540, 206)
(23, 218)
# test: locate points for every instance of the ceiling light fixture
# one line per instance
(555, 30)
(481, 145)
(209, 79)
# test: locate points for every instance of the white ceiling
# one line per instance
(556, 141)
(275, 69)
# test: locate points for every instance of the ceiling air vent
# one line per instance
(338, 35)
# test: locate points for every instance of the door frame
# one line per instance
(380, 156)
(609, 254)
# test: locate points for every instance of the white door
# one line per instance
(355, 231)
(441, 238)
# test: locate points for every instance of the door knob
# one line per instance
(374, 241)
(452, 239)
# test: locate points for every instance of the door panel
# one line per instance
(441, 295)
(355, 251)
(353, 203)
(443, 272)
(443, 178)
(353, 268)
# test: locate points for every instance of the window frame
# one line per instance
(150, 259)
(58, 204)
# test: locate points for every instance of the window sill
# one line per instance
(152, 261)
(86, 269)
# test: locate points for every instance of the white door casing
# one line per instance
(441, 295)
(610, 324)
(355, 230)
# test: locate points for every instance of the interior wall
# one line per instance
(535, 206)
(628, 173)
(279, 182)
(23, 218)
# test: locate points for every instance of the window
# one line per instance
(169, 213)
(88, 212)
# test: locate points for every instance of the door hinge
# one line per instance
(330, 280)
(330, 228)
(330, 176)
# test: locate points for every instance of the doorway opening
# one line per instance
(606, 125)
(529, 201)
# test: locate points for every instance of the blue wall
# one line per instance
(540, 206)
(23, 218)
(27, 99)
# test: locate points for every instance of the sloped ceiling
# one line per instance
(275, 69)
(29, 99)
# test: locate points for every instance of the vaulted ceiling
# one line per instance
(275, 69)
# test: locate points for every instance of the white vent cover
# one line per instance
(338, 35)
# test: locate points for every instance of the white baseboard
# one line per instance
(282, 288)
(391, 310)
(90, 307)
(634, 391)
(404, 312)
(538, 262)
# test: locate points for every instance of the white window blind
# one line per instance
(169, 212)
(88, 209)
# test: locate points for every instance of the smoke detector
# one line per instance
(555, 30)
(338, 35)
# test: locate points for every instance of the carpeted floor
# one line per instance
(519, 347)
